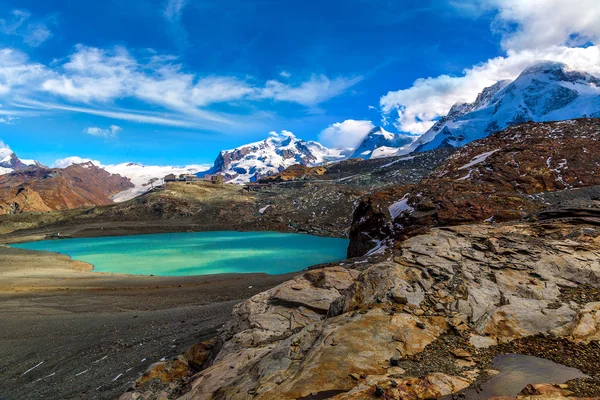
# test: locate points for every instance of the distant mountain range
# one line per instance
(250, 162)
(546, 91)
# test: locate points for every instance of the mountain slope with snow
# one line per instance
(546, 91)
(380, 143)
(253, 161)
(9, 161)
(144, 177)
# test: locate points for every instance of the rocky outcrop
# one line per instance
(39, 189)
(360, 328)
(498, 179)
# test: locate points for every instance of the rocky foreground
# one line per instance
(496, 252)
(423, 323)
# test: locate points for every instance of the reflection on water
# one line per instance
(517, 371)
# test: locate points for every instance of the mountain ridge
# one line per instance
(546, 91)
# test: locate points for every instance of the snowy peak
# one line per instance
(380, 143)
(545, 91)
(9, 161)
(253, 161)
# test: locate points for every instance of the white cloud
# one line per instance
(33, 33)
(285, 74)
(67, 161)
(37, 34)
(531, 30)
(310, 93)
(109, 133)
(4, 146)
(418, 106)
(17, 72)
(174, 8)
(347, 134)
(93, 80)
(93, 74)
(8, 120)
(539, 24)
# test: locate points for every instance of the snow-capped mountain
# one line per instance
(143, 177)
(546, 91)
(9, 161)
(380, 143)
(252, 161)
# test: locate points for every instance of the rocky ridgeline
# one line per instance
(493, 179)
(422, 323)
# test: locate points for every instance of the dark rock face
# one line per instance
(494, 179)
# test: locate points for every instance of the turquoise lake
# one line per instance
(199, 253)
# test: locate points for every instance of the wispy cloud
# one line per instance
(8, 120)
(18, 24)
(94, 81)
(173, 13)
(109, 133)
(310, 93)
(174, 8)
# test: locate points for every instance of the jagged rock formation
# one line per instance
(498, 178)
(546, 91)
(359, 329)
(40, 189)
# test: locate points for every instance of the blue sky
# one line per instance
(176, 81)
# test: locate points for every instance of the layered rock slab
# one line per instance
(343, 331)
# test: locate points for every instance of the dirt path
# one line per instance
(71, 333)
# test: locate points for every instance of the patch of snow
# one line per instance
(47, 376)
(379, 248)
(478, 159)
(250, 162)
(262, 210)
(400, 207)
(140, 176)
(468, 176)
(397, 161)
(32, 368)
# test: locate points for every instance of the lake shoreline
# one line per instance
(59, 312)
(198, 253)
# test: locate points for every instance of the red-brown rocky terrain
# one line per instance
(42, 189)
(495, 179)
